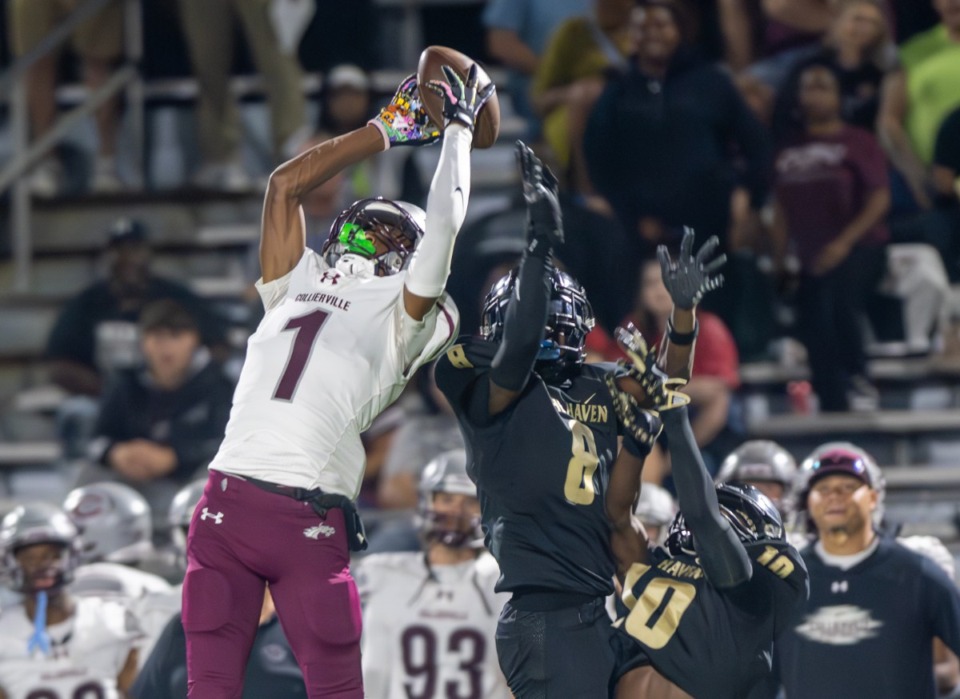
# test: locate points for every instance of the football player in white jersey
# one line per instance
(53, 645)
(430, 618)
(116, 531)
(344, 330)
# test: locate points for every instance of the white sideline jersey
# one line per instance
(426, 636)
(332, 351)
(88, 652)
(150, 598)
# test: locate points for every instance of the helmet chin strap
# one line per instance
(355, 265)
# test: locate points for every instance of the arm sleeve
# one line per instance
(524, 324)
(723, 557)
(446, 209)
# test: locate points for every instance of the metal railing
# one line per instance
(27, 154)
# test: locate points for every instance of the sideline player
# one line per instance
(541, 429)
(430, 618)
(705, 609)
(344, 330)
(53, 644)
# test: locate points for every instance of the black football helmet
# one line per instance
(397, 225)
(752, 515)
(39, 523)
(569, 320)
(447, 473)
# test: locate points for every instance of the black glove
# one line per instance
(461, 102)
(540, 187)
(689, 278)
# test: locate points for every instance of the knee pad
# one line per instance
(207, 601)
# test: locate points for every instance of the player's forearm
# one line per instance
(312, 168)
(446, 209)
(523, 326)
(627, 536)
(721, 554)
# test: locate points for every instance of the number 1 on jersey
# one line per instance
(307, 328)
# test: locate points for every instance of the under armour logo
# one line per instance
(448, 594)
(331, 276)
(838, 586)
(217, 518)
(316, 532)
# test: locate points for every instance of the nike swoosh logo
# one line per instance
(590, 398)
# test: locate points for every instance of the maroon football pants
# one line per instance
(242, 537)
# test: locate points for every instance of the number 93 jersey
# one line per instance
(88, 652)
(430, 632)
(332, 351)
(541, 469)
(710, 642)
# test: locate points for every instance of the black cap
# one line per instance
(127, 230)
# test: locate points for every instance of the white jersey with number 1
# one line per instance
(332, 351)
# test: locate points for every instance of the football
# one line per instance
(429, 68)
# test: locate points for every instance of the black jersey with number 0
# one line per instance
(541, 469)
(711, 642)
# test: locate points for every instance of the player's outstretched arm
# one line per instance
(526, 314)
(722, 555)
(282, 241)
(687, 279)
(449, 191)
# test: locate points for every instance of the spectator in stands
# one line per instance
(160, 424)
(671, 143)
(713, 381)
(858, 46)
(832, 197)
(517, 36)
(658, 141)
(346, 100)
(99, 43)
(767, 38)
(916, 100)
(208, 26)
(875, 607)
(96, 331)
(572, 67)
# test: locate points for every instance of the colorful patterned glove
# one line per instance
(404, 122)
(461, 102)
(689, 278)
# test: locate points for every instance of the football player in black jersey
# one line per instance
(542, 429)
(704, 609)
